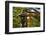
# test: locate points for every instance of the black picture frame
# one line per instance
(7, 17)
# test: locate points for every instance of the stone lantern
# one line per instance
(23, 19)
(25, 15)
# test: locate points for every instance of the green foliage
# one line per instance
(36, 21)
(16, 18)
